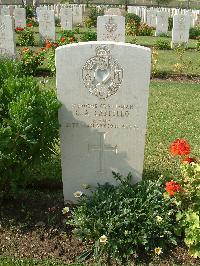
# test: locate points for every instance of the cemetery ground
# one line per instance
(32, 227)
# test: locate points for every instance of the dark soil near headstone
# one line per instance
(32, 226)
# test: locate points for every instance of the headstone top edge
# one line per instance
(103, 43)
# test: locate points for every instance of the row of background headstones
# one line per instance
(148, 15)
(46, 20)
(110, 28)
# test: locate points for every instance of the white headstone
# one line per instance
(180, 31)
(66, 18)
(103, 116)
(151, 18)
(111, 28)
(161, 23)
(7, 40)
(47, 24)
(20, 17)
(113, 11)
(77, 15)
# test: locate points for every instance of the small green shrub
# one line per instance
(145, 30)
(88, 23)
(32, 21)
(93, 14)
(125, 220)
(28, 125)
(162, 44)
(133, 18)
(132, 24)
(66, 33)
(29, 11)
(31, 60)
(163, 34)
(88, 36)
(77, 29)
(194, 32)
(51, 60)
(131, 29)
(26, 37)
(51, 46)
(183, 63)
(8, 68)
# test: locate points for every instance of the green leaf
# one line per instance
(85, 255)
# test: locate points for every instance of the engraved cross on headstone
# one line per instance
(102, 148)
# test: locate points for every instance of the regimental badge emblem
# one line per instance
(102, 75)
(110, 25)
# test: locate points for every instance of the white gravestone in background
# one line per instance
(20, 17)
(111, 28)
(151, 18)
(180, 31)
(103, 116)
(47, 24)
(113, 11)
(7, 40)
(66, 18)
(161, 23)
(77, 15)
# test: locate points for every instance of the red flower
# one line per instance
(48, 45)
(19, 29)
(180, 147)
(188, 160)
(62, 39)
(172, 187)
(29, 25)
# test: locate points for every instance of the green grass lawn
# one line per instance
(151, 40)
(167, 59)
(4, 261)
(174, 110)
